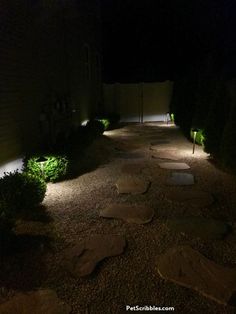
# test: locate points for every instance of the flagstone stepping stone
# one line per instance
(189, 268)
(132, 168)
(81, 259)
(200, 227)
(164, 155)
(37, 302)
(174, 165)
(165, 147)
(181, 178)
(138, 214)
(195, 198)
(132, 184)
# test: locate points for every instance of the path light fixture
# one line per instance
(194, 138)
(41, 161)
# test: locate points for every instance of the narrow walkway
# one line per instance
(182, 200)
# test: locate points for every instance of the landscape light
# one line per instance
(194, 138)
(41, 160)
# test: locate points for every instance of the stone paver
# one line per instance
(200, 227)
(35, 302)
(195, 198)
(81, 259)
(174, 165)
(164, 155)
(139, 214)
(132, 184)
(189, 268)
(180, 178)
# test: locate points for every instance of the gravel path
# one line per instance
(131, 278)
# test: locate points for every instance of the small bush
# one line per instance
(199, 136)
(20, 192)
(106, 123)
(95, 127)
(54, 168)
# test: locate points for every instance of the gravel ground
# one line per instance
(131, 278)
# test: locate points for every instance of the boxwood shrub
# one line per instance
(106, 123)
(53, 169)
(19, 193)
(95, 127)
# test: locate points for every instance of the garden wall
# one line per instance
(138, 102)
(50, 60)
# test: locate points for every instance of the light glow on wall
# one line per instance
(84, 122)
(11, 166)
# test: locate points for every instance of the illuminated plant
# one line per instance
(199, 136)
(106, 123)
(54, 167)
(20, 192)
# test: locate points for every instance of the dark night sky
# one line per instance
(162, 39)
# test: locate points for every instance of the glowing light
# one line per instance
(84, 122)
(11, 166)
(194, 138)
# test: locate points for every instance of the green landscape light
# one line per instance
(194, 138)
(41, 160)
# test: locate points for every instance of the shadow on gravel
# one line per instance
(22, 265)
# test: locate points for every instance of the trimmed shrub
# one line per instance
(53, 169)
(216, 118)
(20, 192)
(228, 145)
(106, 123)
(183, 103)
(95, 127)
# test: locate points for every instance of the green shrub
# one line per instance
(54, 168)
(199, 136)
(20, 192)
(216, 117)
(106, 123)
(228, 143)
(95, 127)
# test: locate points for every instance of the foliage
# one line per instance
(200, 138)
(228, 145)
(216, 117)
(95, 127)
(20, 192)
(106, 123)
(183, 103)
(53, 169)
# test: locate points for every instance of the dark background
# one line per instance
(162, 39)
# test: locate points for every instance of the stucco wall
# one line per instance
(42, 60)
(134, 102)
